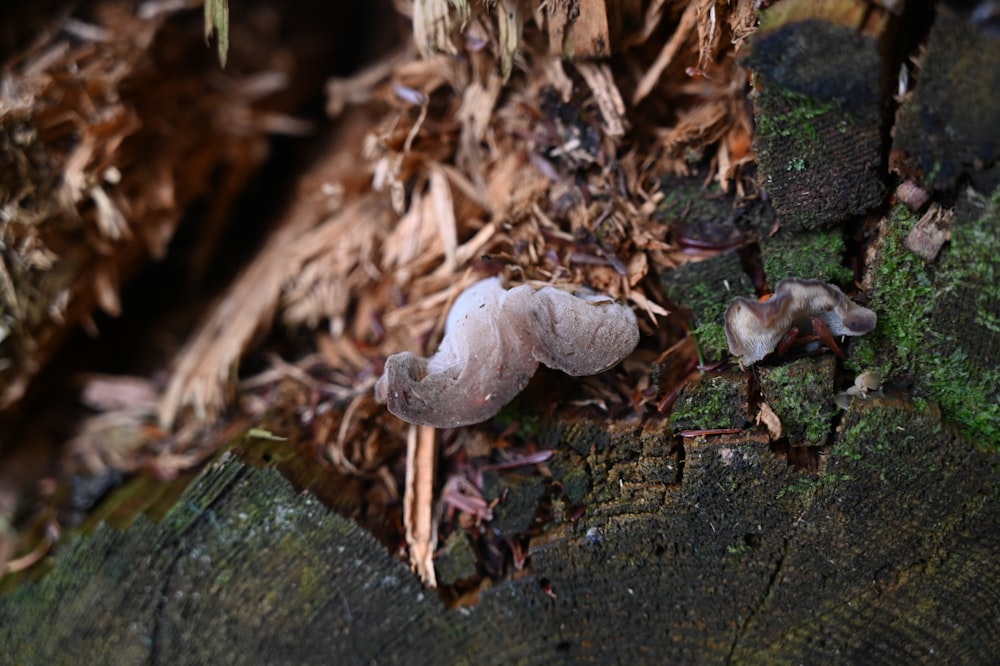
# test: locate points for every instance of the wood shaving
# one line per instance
(418, 501)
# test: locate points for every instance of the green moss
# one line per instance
(817, 255)
(456, 561)
(903, 298)
(707, 288)
(522, 413)
(865, 425)
(711, 338)
(786, 126)
(521, 495)
(796, 120)
(939, 323)
(966, 396)
(718, 401)
(801, 394)
(573, 476)
(817, 156)
(708, 304)
(973, 259)
(810, 486)
(690, 199)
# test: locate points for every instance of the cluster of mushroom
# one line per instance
(495, 338)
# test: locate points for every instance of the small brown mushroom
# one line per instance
(754, 328)
(493, 342)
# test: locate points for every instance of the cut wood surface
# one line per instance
(888, 556)
(820, 71)
(675, 509)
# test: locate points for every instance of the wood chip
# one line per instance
(930, 233)
(609, 99)
(667, 53)
(770, 420)
(418, 501)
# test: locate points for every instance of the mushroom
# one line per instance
(867, 384)
(753, 328)
(494, 340)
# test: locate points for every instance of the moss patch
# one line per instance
(861, 437)
(938, 323)
(706, 214)
(456, 561)
(815, 156)
(816, 255)
(903, 298)
(718, 401)
(707, 288)
(801, 394)
(796, 119)
(520, 495)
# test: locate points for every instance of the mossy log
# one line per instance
(820, 99)
(689, 549)
(888, 555)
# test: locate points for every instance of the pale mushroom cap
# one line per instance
(578, 335)
(493, 342)
(747, 337)
(754, 328)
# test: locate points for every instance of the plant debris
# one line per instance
(494, 140)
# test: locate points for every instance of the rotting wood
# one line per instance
(103, 130)
(955, 80)
(745, 559)
(661, 553)
(820, 88)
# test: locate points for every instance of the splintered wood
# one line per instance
(105, 149)
(500, 138)
(418, 501)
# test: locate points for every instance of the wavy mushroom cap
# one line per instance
(580, 335)
(753, 328)
(493, 342)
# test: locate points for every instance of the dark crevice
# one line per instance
(163, 593)
(804, 458)
(679, 455)
(855, 245)
(753, 266)
(764, 598)
(912, 31)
